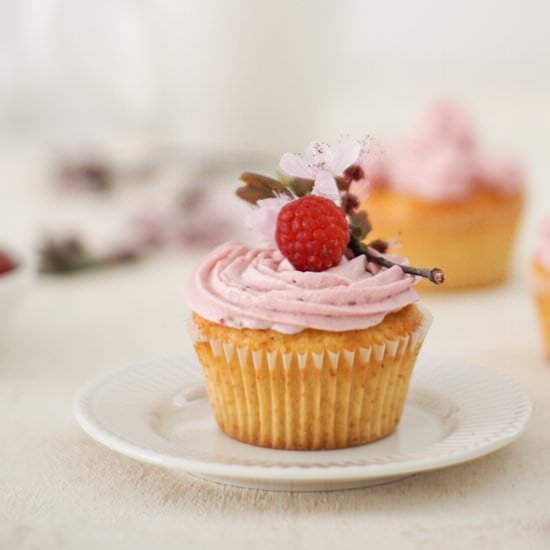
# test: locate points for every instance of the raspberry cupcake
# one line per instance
(447, 200)
(309, 341)
(540, 271)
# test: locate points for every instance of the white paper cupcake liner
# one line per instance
(309, 400)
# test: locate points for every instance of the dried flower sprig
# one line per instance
(70, 254)
(373, 254)
(258, 188)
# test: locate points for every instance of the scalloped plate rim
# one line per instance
(299, 473)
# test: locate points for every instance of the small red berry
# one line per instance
(312, 233)
(6, 263)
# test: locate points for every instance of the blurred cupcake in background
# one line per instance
(448, 200)
(540, 270)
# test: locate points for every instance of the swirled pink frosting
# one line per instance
(442, 161)
(542, 250)
(258, 288)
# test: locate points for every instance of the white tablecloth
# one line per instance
(59, 489)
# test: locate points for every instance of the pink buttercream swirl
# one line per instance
(442, 161)
(258, 288)
(542, 250)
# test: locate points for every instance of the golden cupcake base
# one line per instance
(470, 240)
(541, 293)
(312, 390)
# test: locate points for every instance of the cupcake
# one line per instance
(307, 342)
(540, 271)
(447, 200)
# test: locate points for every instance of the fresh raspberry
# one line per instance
(312, 233)
(6, 263)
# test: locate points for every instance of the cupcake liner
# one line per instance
(540, 284)
(286, 399)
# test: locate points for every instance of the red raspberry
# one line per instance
(312, 233)
(6, 263)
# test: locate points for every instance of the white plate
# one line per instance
(159, 413)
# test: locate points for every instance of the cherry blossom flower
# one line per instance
(263, 217)
(322, 163)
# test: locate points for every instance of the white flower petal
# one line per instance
(318, 156)
(263, 218)
(325, 186)
(343, 156)
(316, 151)
(295, 165)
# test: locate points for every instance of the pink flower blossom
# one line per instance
(263, 218)
(322, 163)
(320, 158)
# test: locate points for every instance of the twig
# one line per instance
(435, 275)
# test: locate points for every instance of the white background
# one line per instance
(264, 75)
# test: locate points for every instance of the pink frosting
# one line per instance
(258, 288)
(542, 250)
(442, 161)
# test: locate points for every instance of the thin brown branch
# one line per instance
(435, 275)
